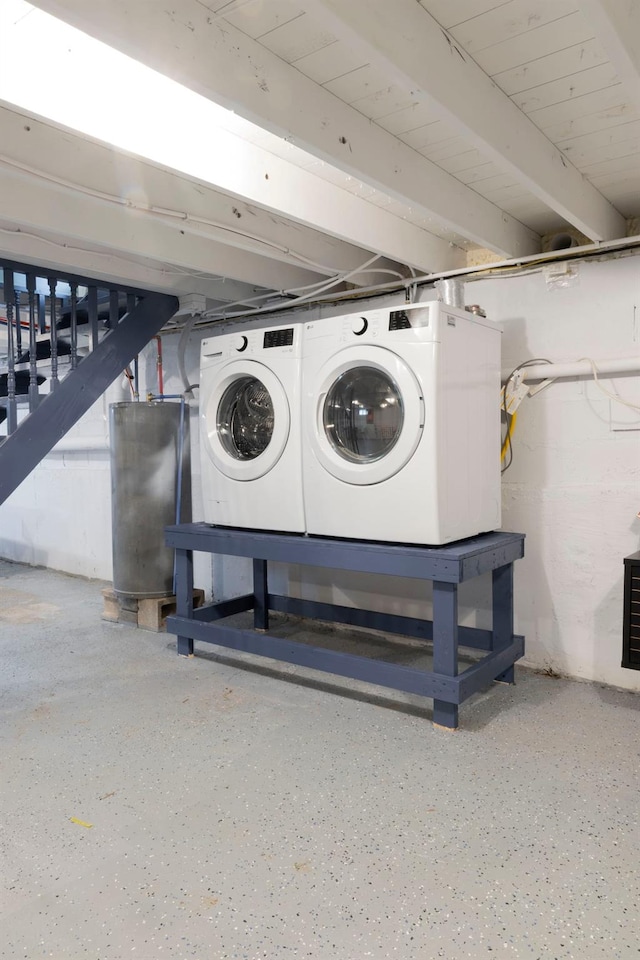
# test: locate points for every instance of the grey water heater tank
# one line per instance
(145, 444)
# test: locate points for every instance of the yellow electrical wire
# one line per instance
(507, 440)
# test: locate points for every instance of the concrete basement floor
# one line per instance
(161, 807)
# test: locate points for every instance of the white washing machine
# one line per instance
(401, 437)
(250, 432)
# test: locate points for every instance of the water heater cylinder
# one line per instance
(145, 444)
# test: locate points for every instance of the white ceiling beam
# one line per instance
(286, 254)
(39, 208)
(65, 157)
(36, 215)
(223, 290)
(208, 55)
(617, 26)
(50, 251)
(410, 44)
(125, 113)
(239, 223)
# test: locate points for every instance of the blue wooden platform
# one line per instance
(446, 566)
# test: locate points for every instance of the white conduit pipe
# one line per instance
(578, 368)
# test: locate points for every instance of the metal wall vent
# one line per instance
(631, 618)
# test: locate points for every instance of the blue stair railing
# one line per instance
(63, 340)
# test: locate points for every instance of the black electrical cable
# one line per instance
(521, 366)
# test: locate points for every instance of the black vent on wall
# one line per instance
(631, 620)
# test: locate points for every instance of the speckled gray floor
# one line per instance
(234, 815)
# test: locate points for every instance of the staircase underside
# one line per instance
(115, 337)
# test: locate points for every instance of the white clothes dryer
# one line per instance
(250, 441)
(401, 434)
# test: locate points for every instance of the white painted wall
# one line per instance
(574, 487)
(60, 517)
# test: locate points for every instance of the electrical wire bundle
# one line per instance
(506, 451)
(509, 411)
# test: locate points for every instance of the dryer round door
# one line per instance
(246, 420)
(369, 415)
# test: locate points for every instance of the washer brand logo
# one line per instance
(451, 321)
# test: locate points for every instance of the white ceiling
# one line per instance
(417, 131)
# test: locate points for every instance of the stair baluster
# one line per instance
(92, 299)
(53, 331)
(114, 305)
(74, 326)
(9, 298)
(18, 324)
(33, 346)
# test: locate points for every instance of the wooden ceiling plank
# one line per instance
(550, 38)
(553, 66)
(449, 13)
(594, 123)
(559, 91)
(258, 19)
(617, 26)
(513, 19)
(224, 65)
(412, 48)
(328, 63)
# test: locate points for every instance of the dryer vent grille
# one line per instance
(631, 619)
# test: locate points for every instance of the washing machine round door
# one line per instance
(246, 420)
(369, 415)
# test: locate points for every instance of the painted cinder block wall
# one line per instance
(60, 516)
(574, 487)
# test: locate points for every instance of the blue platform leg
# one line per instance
(184, 596)
(502, 596)
(445, 647)
(260, 590)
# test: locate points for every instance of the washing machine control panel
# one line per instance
(265, 345)
(361, 326)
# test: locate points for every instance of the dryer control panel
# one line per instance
(374, 323)
(361, 327)
(244, 343)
